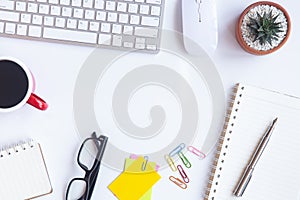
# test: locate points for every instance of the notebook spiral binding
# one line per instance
(16, 148)
(224, 142)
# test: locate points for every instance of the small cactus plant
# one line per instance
(264, 28)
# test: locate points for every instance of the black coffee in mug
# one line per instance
(14, 84)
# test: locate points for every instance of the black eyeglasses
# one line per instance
(89, 159)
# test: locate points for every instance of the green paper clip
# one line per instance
(185, 161)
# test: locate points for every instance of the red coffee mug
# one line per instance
(29, 97)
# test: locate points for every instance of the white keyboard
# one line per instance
(118, 24)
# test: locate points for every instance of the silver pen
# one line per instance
(239, 190)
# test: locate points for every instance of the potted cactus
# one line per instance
(263, 28)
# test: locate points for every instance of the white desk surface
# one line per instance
(56, 67)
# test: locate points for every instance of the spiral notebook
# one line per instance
(23, 173)
(277, 173)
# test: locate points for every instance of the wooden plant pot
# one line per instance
(239, 35)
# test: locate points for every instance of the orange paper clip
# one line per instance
(197, 152)
(183, 174)
(171, 163)
(178, 182)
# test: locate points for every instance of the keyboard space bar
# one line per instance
(69, 35)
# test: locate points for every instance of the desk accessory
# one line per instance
(133, 25)
(17, 85)
(134, 183)
(89, 161)
(277, 175)
(243, 183)
(23, 172)
(199, 24)
(263, 27)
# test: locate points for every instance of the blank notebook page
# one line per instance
(277, 173)
(23, 173)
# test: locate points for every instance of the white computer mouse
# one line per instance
(199, 21)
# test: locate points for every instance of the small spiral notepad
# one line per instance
(23, 173)
(277, 174)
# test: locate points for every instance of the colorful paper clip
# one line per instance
(178, 182)
(196, 151)
(183, 174)
(177, 150)
(171, 163)
(185, 161)
(144, 165)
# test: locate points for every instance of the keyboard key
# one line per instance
(65, 2)
(134, 19)
(101, 15)
(20, 6)
(44, 9)
(7, 5)
(117, 40)
(55, 10)
(140, 46)
(123, 18)
(78, 13)
(121, 7)
(37, 19)
(10, 28)
(158, 2)
(140, 40)
(42, 1)
(146, 32)
(9, 16)
(128, 30)
(76, 3)
(25, 18)
(116, 28)
(60, 22)
(21, 29)
(32, 7)
(144, 9)
(94, 26)
(150, 21)
(155, 10)
(112, 17)
(128, 44)
(104, 39)
(151, 47)
(72, 23)
(1, 27)
(53, 1)
(70, 35)
(66, 12)
(105, 27)
(48, 21)
(35, 31)
(140, 1)
(110, 5)
(82, 25)
(89, 14)
(133, 8)
(87, 3)
(99, 4)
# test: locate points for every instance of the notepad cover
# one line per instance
(277, 173)
(23, 174)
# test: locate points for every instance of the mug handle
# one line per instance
(37, 102)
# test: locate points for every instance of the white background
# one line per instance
(56, 67)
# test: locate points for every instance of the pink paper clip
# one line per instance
(197, 152)
(178, 182)
(183, 174)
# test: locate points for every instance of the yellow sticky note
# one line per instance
(148, 194)
(133, 184)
